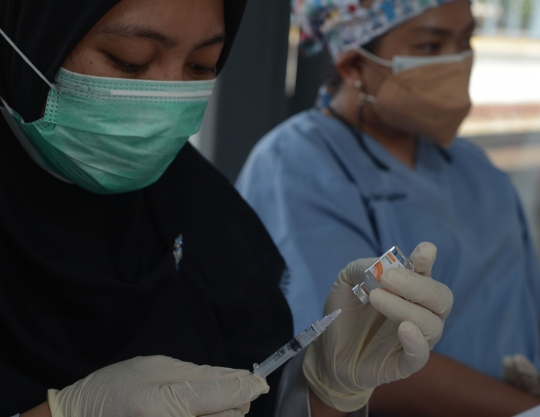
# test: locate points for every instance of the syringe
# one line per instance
(294, 346)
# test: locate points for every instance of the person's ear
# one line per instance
(350, 66)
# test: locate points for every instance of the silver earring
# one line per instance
(357, 84)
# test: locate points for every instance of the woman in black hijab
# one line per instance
(113, 244)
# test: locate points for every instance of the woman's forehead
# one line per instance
(48, 31)
(448, 19)
(168, 22)
(168, 14)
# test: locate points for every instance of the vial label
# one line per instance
(385, 262)
(393, 258)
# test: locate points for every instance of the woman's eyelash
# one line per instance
(125, 66)
(203, 70)
(138, 68)
(431, 47)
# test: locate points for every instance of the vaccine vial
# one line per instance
(394, 258)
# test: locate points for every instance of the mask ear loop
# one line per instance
(38, 72)
(374, 59)
(6, 106)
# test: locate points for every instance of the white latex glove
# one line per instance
(520, 373)
(387, 340)
(158, 386)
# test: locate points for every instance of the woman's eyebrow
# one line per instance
(212, 41)
(444, 32)
(141, 32)
(136, 31)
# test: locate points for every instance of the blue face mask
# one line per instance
(111, 135)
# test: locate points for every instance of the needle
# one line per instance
(350, 302)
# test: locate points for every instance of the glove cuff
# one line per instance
(347, 403)
(52, 400)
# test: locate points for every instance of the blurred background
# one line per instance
(269, 81)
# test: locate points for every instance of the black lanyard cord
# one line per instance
(357, 133)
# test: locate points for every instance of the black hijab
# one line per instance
(88, 280)
(46, 31)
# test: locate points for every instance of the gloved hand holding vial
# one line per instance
(383, 341)
(407, 344)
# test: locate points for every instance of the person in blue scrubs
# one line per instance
(378, 165)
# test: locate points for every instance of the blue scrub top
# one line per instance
(327, 198)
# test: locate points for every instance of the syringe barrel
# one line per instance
(294, 346)
(277, 359)
(307, 336)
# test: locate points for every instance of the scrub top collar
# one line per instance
(379, 155)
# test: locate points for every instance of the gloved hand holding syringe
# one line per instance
(393, 258)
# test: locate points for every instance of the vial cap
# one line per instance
(362, 293)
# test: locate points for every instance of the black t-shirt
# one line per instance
(88, 280)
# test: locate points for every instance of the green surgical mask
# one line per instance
(111, 135)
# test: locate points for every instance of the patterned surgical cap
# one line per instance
(341, 24)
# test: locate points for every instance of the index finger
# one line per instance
(423, 258)
(400, 310)
(419, 289)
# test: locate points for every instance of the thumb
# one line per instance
(524, 366)
(528, 374)
(219, 395)
(423, 258)
(415, 349)
(353, 274)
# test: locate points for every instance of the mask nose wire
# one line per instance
(38, 72)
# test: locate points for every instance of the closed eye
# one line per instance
(201, 70)
(126, 66)
(428, 48)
